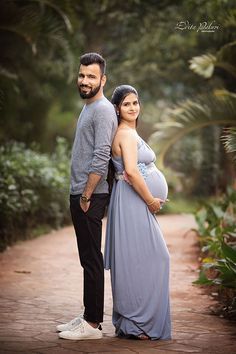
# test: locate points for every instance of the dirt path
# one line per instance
(41, 286)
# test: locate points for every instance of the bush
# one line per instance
(217, 234)
(34, 190)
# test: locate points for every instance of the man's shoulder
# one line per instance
(105, 108)
(104, 103)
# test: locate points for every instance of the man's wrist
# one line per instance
(84, 198)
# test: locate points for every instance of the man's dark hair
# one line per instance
(94, 58)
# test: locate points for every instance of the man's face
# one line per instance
(90, 81)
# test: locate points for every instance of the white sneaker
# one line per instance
(69, 325)
(82, 331)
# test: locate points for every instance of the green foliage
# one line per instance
(61, 122)
(217, 108)
(35, 57)
(178, 205)
(41, 40)
(185, 161)
(34, 190)
(217, 234)
(216, 222)
(205, 64)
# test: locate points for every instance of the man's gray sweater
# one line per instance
(95, 131)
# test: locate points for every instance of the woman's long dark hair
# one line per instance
(117, 98)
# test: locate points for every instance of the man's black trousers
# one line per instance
(88, 229)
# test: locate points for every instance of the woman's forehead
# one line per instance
(130, 97)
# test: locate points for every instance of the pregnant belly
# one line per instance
(157, 184)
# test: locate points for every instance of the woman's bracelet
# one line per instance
(148, 204)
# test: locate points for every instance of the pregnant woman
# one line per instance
(135, 250)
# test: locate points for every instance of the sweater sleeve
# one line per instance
(104, 131)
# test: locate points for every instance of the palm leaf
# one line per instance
(203, 65)
(41, 25)
(218, 108)
(225, 58)
(58, 10)
(229, 141)
(229, 21)
(66, 59)
(29, 23)
(8, 74)
(25, 24)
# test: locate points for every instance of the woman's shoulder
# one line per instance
(127, 134)
(124, 138)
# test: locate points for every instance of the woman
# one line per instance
(135, 251)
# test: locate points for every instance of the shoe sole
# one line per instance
(82, 338)
(64, 330)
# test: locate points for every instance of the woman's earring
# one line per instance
(118, 113)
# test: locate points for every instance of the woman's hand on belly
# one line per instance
(155, 206)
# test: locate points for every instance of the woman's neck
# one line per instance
(126, 125)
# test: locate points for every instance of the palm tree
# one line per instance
(39, 25)
(215, 108)
(35, 56)
(205, 64)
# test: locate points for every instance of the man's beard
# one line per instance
(91, 93)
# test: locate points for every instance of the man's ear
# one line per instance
(103, 80)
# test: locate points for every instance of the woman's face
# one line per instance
(130, 108)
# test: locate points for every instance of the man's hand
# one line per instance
(84, 205)
(91, 184)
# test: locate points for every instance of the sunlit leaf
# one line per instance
(203, 65)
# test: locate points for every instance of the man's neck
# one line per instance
(95, 98)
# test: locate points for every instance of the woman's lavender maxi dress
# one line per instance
(137, 256)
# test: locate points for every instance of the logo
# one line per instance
(205, 26)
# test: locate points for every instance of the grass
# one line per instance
(179, 204)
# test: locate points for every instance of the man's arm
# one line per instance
(91, 184)
(104, 129)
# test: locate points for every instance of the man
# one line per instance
(89, 192)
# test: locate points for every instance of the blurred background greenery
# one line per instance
(186, 77)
